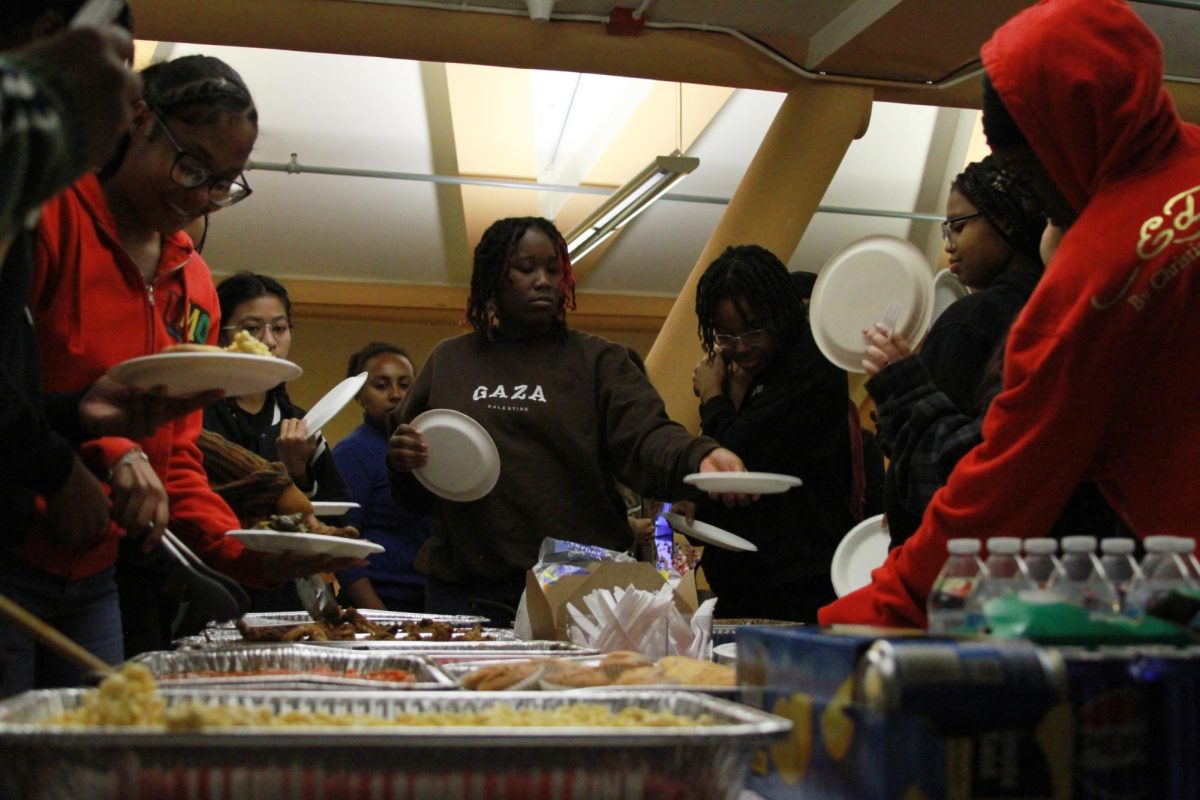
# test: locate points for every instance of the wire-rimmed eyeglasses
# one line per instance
(954, 225)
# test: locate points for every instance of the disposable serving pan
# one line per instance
(269, 618)
(460, 669)
(410, 763)
(505, 645)
(306, 668)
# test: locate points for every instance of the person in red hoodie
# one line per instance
(115, 278)
(1099, 369)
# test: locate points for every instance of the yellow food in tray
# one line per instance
(130, 698)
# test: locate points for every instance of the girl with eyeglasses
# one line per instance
(931, 407)
(115, 277)
(767, 393)
(269, 423)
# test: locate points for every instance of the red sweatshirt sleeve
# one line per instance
(1039, 436)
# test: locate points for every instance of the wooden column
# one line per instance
(771, 207)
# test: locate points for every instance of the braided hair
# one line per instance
(358, 361)
(196, 90)
(193, 89)
(753, 277)
(1012, 209)
(490, 271)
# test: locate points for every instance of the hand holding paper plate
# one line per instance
(334, 401)
(873, 279)
(463, 462)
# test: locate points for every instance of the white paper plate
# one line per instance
(309, 543)
(328, 508)
(947, 289)
(463, 461)
(334, 401)
(856, 288)
(189, 373)
(710, 534)
(726, 654)
(860, 552)
(743, 482)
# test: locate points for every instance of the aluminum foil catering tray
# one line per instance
(268, 618)
(460, 669)
(413, 763)
(299, 668)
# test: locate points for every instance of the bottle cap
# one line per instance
(1041, 546)
(1184, 544)
(1157, 544)
(1004, 545)
(1117, 546)
(962, 547)
(1079, 544)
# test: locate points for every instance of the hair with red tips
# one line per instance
(490, 270)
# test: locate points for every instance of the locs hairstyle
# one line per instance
(490, 271)
(753, 277)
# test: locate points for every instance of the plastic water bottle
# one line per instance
(1041, 561)
(1005, 573)
(1193, 562)
(1185, 548)
(1161, 571)
(947, 606)
(1083, 581)
(1119, 565)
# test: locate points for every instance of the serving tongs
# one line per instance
(318, 600)
(215, 596)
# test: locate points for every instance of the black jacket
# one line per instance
(794, 421)
(259, 432)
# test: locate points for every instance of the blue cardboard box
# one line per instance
(840, 749)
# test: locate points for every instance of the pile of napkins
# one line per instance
(642, 621)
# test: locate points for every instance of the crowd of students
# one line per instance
(1060, 384)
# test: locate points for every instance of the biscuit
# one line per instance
(576, 678)
(495, 677)
(694, 672)
(642, 676)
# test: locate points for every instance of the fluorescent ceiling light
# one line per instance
(627, 202)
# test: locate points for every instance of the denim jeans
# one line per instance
(86, 611)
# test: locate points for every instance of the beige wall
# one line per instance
(323, 346)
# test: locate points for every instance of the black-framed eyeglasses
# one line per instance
(752, 339)
(952, 227)
(189, 172)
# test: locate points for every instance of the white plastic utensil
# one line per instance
(95, 13)
(333, 402)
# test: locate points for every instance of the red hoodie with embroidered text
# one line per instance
(1100, 373)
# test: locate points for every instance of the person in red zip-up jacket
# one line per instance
(115, 278)
(1099, 375)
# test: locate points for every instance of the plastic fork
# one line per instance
(891, 315)
(217, 597)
